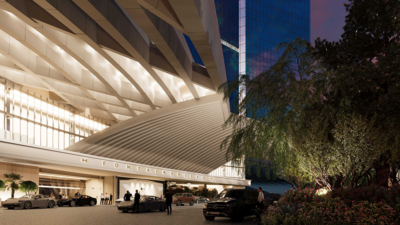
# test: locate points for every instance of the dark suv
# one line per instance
(233, 203)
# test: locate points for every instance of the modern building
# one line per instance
(251, 29)
(104, 96)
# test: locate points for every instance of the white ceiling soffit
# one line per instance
(185, 136)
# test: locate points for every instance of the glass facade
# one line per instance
(255, 27)
(28, 119)
(268, 23)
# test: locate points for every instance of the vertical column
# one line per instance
(242, 46)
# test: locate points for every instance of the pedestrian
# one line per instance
(110, 203)
(106, 198)
(101, 199)
(77, 194)
(168, 201)
(59, 195)
(137, 201)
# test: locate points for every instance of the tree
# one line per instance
(11, 182)
(28, 186)
(365, 74)
(2, 186)
(274, 105)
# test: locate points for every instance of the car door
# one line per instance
(151, 203)
(84, 200)
(80, 200)
(39, 201)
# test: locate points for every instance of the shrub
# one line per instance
(365, 205)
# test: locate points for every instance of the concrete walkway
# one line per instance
(108, 214)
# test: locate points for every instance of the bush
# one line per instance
(2, 185)
(28, 186)
(365, 205)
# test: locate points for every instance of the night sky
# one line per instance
(327, 19)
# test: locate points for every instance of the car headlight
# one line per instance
(205, 206)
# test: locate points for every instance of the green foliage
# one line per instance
(365, 205)
(2, 186)
(12, 182)
(365, 75)
(273, 104)
(329, 113)
(28, 186)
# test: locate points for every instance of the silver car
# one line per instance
(30, 201)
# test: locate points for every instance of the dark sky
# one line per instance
(327, 19)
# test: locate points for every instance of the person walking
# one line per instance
(59, 195)
(101, 199)
(110, 203)
(168, 201)
(137, 201)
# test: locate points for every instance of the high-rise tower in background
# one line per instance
(250, 29)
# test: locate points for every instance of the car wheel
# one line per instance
(91, 203)
(163, 207)
(209, 217)
(142, 208)
(28, 205)
(51, 204)
(72, 204)
(191, 203)
(178, 203)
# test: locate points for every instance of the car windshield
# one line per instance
(28, 196)
(178, 195)
(143, 198)
(231, 194)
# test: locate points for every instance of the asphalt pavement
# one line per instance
(109, 214)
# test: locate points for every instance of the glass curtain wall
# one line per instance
(269, 23)
(28, 119)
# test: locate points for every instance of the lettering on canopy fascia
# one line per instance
(163, 172)
(84, 160)
(103, 163)
(155, 171)
(128, 167)
(148, 170)
(178, 174)
(171, 173)
(116, 165)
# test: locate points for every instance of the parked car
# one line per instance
(122, 200)
(146, 203)
(81, 200)
(180, 198)
(201, 199)
(233, 203)
(30, 201)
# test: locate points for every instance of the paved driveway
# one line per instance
(99, 215)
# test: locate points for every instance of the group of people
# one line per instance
(106, 199)
(168, 201)
(62, 196)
